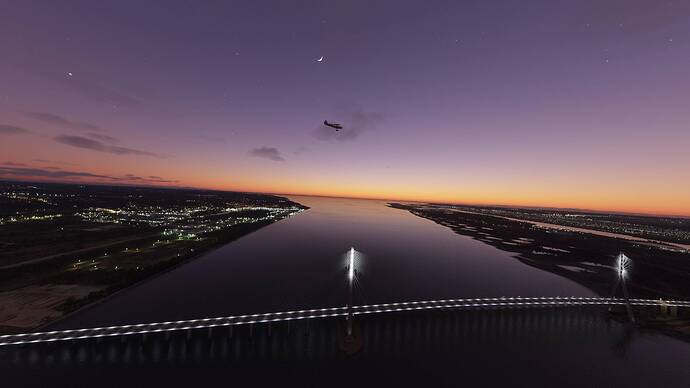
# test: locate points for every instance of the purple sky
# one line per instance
(558, 103)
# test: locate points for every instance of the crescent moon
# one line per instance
(320, 59)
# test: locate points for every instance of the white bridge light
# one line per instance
(170, 326)
(622, 265)
(351, 266)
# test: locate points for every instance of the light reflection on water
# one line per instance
(536, 347)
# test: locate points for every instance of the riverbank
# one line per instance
(85, 304)
(584, 257)
(37, 294)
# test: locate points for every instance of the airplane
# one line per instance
(333, 125)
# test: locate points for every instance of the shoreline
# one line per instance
(154, 276)
(108, 291)
(627, 237)
(584, 258)
(587, 258)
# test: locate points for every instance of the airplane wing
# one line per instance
(333, 125)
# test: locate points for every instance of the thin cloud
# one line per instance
(60, 121)
(95, 145)
(48, 118)
(212, 139)
(82, 142)
(98, 93)
(13, 164)
(12, 130)
(149, 179)
(271, 153)
(355, 123)
(55, 173)
(101, 137)
(52, 162)
(301, 150)
(46, 173)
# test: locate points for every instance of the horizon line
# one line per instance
(175, 187)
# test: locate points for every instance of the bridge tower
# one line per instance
(349, 334)
(623, 264)
(350, 281)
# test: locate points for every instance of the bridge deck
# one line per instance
(466, 303)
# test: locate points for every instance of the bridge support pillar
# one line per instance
(628, 307)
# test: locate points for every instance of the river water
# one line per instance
(299, 263)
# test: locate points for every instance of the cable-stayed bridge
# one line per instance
(350, 311)
(344, 311)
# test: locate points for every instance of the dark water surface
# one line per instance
(299, 263)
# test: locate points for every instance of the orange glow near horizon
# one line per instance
(618, 198)
(619, 201)
(639, 189)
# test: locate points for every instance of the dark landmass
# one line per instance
(588, 259)
(659, 228)
(65, 246)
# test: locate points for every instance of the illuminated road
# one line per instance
(468, 303)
